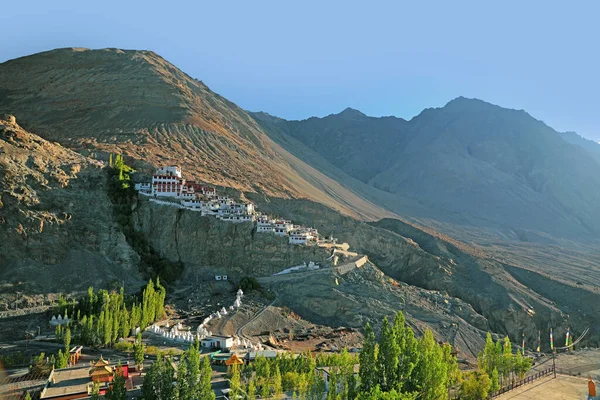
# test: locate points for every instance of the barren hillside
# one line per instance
(138, 104)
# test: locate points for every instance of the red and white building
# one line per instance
(167, 182)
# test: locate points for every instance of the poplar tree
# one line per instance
(184, 391)
(138, 351)
(235, 384)
(67, 339)
(388, 357)
(251, 390)
(407, 361)
(158, 382)
(204, 387)
(368, 361)
(431, 373)
(277, 387)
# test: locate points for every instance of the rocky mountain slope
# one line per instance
(470, 168)
(138, 104)
(469, 163)
(56, 225)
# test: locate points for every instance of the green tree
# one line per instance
(27, 396)
(204, 390)
(388, 357)
(138, 351)
(184, 390)
(251, 390)
(62, 359)
(277, 385)
(431, 372)
(67, 339)
(368, 361)
(475, 386)
(158, 382)
(494, 381)
(235, 383)
(95, 395)
(117, 391)
(409, 354)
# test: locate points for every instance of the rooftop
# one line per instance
(68, 381)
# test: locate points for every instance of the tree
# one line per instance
(409, 355)
(475, 386)
(235, 384)
(62, 359)
(158, 382)
(95, 395)
(27, 396)
(184, 391)
(251, 390)
(138, 351)
(506, 366)
(368, 361)
(277, 386)
(204, 390)
(117, 391)
(388, 357)
(67, 339)
(494, 381)
(431, 371)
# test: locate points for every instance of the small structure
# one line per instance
(75, 354)
(252, 355)
(217, 342)
(325, 373)
(234, 360)
(102, 371)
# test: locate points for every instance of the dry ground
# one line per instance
(560, 388)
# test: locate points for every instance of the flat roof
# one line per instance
(68, 381)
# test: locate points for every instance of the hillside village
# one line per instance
(168, 187)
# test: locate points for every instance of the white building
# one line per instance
(217, 342)
(282, 227)
(325, 374)
(173, 170)
(143, 187)
(167, 185)
(195, 204)
(265, 226)
(298, 236)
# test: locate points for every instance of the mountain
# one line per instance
(470, 164)
(57, 231)
(592, 147)
(472, 169)
(138, 104)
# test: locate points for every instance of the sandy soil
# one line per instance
(560, 388)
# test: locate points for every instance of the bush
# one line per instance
(249, 283)
(124, 346)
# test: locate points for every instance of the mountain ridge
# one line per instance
(519, 172)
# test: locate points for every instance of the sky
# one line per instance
(296, 59)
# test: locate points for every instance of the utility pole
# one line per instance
(554, 362)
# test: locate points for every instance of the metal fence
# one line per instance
(522, 382)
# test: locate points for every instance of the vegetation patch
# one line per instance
(123, 197)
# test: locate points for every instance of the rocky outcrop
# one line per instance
(56, 223)
(210, 244)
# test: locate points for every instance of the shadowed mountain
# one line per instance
(468, 163)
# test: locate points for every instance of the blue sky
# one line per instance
(305, 58)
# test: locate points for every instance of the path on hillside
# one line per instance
(342, 269)
(240, 330)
